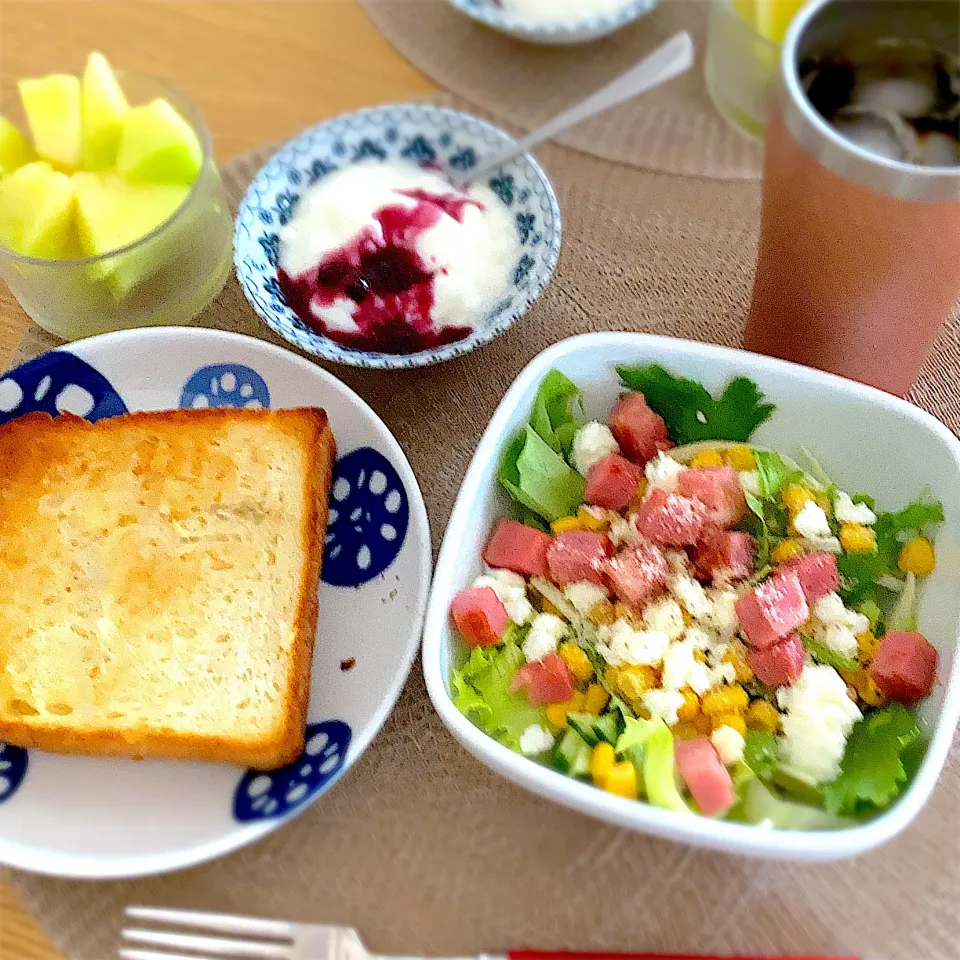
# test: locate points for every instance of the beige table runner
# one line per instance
(424, 850)
(674, 129)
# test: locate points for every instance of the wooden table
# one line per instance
(260, 71)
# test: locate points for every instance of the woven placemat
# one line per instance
(674, 129)
(423, 849)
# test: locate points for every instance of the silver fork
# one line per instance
(219, 935)
(206, 936)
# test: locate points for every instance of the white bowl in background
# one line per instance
(866, 440)
(588, 27)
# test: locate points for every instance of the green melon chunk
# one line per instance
(15, 149)
(52, 106)
(112, 213)
(158, 146)
(36, 212)
(103, 107)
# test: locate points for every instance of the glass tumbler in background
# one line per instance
(742, 68)
(164, 278)
(859, 260)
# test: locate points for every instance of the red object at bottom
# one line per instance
(547, 955)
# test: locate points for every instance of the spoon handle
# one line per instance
(666, 62)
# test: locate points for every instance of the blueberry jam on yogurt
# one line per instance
(390, 257)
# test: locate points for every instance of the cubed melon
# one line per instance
(36, 212)
(15, 149)
(103, 108)
(52, 106)
(158, 146)
(112, 213)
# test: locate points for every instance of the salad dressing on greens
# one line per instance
(685, 619)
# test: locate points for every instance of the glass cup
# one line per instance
(171, 274)
(742, 69)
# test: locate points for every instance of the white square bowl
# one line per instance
(867, 441)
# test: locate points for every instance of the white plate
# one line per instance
(91, 817)
(866, 440)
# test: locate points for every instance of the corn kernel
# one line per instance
(634, 681)
(763, 716)
(621, 780)
(557, 715)
(634, 505)
(796, 497)
(856, 538)
(603, 613)
(702, 724)
(867, 646)
(577, 661)
(706, 459)
(918, 557)
(691, 705)
(725, 700)
(741, 458)
(595, 700)
(547, 607)
(738, 659)
(622, 612)
(686, 730)
(785, 550)
(565, 524)
(699, 656)
(601, 762)
(734, 720)
(868, 690)
(590, 521)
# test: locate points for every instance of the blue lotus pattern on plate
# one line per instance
(369, 516)
(13, 768)
(425, 135)
(56, 383)
(261, 795)
(225, 385)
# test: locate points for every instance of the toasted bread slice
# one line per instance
(158, 582)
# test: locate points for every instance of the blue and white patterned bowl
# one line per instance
(421, 133)
(100, 817)
(587, 28)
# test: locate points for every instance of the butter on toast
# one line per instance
(158, 582)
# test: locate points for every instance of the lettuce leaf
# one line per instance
(827, 655)
(860, 571)
(538, 477)
(553, 418)
(773, 473)
(648, 744)
(761, 753)
(762, 806)
(691, 413)
(872, 772)
(481, 691)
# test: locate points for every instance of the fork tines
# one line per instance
(224, 936)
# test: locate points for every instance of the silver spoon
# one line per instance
(666, 62)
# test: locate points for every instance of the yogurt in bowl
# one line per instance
(555, 21)
(389, 256)
(353, 245)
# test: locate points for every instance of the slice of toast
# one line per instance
(158, 582)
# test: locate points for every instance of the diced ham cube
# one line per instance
(780, 664)
(547, 680)
(817, 573)
(517, 547)
(707, 779)
(637, 574)
(772, 610)
(480, 616)
(640, 432)
(719, 490)
(578, 556)
(727, 552)
(612, 482)
(905, 667)
(670, 520)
